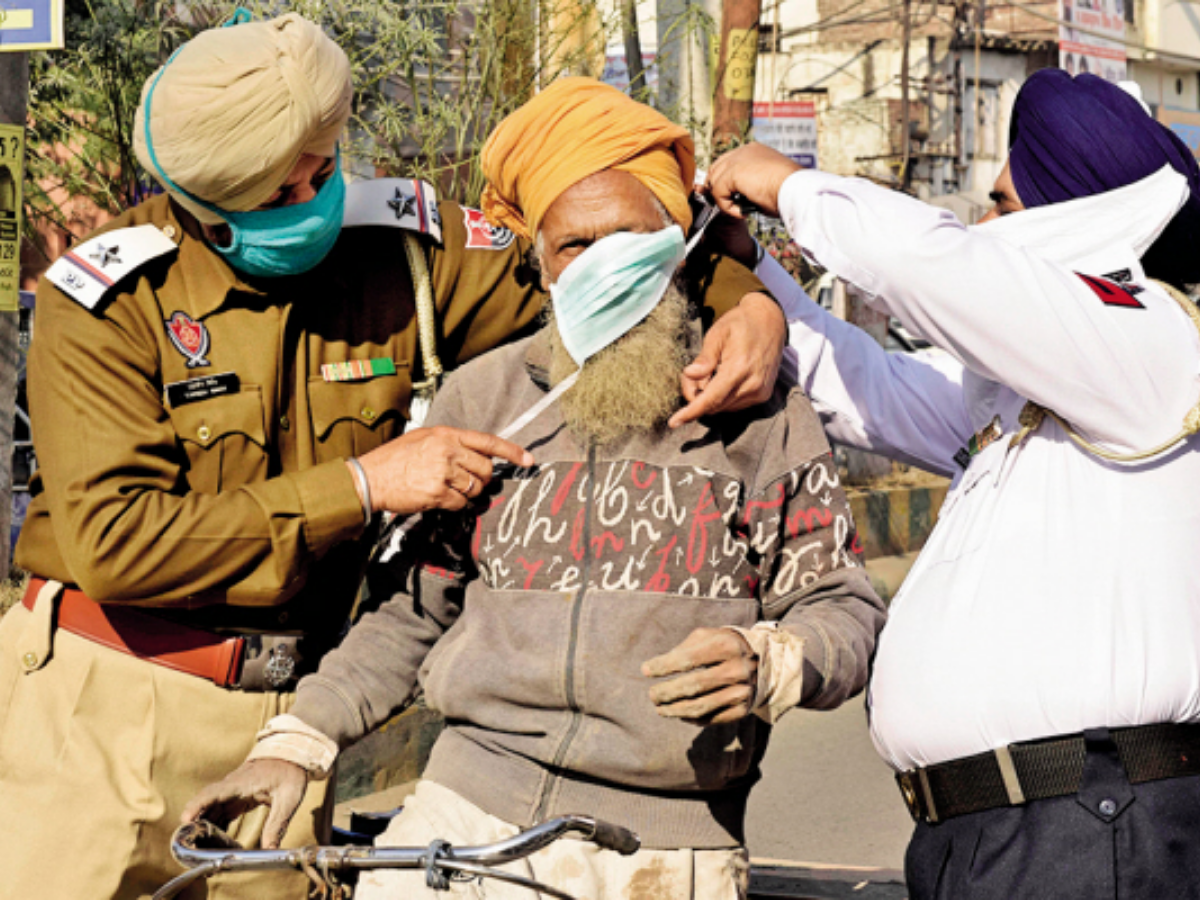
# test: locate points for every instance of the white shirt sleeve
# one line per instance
(905, 407)
(1123, 375)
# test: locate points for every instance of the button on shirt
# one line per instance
(1058, 591)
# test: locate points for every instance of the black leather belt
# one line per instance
(1038, 770)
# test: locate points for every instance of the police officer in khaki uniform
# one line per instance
(219, 388)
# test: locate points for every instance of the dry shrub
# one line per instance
(12, 589)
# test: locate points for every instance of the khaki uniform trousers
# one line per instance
(580, 868)
(99, 753)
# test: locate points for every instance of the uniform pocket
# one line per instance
(351, 418)
(225, 440)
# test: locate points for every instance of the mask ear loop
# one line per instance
(707, 213)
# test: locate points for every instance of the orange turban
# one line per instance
(576, 128)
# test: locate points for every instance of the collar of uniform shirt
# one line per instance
(210, 279)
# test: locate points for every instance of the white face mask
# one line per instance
(612, 286)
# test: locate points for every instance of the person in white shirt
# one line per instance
(1037, 687)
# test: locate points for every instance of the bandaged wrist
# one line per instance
(780, 668)
(290, 739)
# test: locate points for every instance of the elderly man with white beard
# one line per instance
(613, 629)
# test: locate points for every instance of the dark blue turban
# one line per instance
(1074, 137)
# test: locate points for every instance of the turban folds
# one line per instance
(1074, 137)
(233, 111)
(575, 128)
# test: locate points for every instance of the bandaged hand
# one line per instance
(780, 657)
(716, 675)
(289, 753)
(274, 782)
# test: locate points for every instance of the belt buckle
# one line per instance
(280, 667)
(269, 663)
(908, 790)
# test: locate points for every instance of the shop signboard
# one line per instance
(790, 126)
(1090, 37)
(31, 25)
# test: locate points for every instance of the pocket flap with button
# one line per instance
(207, 421)
(366, 402)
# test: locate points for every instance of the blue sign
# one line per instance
(31, 25)
(1190, 134)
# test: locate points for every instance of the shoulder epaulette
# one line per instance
(394, 203)
(88, 272)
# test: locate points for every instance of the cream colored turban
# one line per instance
(233, 111)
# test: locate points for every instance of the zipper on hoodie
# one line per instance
(573, 638)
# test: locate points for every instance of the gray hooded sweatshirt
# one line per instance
(526, 617)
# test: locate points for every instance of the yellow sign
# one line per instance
(12, 176)
(31, 25)
(741, 53)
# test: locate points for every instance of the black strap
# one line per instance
(1045, 769)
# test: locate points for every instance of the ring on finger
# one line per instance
(470, 484)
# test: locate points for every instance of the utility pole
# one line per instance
(905, 136)
(685, 84)
(734, 100)
(14, 106)
(633, 49)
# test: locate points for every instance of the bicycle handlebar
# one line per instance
(205, 849)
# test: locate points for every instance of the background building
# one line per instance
(917, 95)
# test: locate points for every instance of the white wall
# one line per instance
(1173, 87)
(1178, 27)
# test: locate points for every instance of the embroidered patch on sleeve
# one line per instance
(482, 234)
(1112, 294)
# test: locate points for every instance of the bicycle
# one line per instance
(205, 850)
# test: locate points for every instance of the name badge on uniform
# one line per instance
(358, 369)
(181, 393)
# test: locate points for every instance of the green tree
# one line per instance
(81, 107)
(432, 78)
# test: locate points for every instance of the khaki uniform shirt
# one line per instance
(237, 511)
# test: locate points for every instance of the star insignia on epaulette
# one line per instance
(403, 204)
(105, 255)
